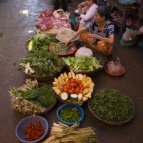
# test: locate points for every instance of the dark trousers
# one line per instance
(64, 5)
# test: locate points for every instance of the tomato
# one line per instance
(65, 90)
(73, 90)
(77, 90)
(68, 86)
(80, 85)
(81, 91)
(70, 91)
(68, 82)
(75, 84)
(78, 81)
(72, 84)
(82, 88)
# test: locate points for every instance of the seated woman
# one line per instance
(86, 10)
(100, 35)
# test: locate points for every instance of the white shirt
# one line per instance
(90, 12)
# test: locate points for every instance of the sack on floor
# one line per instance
(101, 47)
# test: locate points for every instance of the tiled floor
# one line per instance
(17, 25)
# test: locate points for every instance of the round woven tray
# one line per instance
(107, 122)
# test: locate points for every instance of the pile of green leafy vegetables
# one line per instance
(45, 64)
(82, 63)
(112, 106)
(42, 96)
(40, 42)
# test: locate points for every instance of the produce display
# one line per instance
(31, 99)
(61, 133)
(75, 88)
(41, 63)
(69, 115)
(40, 42)
(111, 106)
(82, 64)
(33, 131)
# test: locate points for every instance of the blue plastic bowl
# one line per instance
(79, 109)
(25, 122)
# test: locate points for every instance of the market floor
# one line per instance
(17, 25)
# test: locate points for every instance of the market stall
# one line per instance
(71, 69)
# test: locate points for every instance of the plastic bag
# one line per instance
(129, 35)
(83, 51)
(140, 31)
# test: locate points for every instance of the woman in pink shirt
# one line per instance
(87, 11)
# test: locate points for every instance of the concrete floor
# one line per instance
(16, 28)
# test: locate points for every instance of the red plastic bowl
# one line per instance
(105, 68)
(63, 54)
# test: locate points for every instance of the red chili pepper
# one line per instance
(33, 131)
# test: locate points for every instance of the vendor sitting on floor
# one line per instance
(100, 35)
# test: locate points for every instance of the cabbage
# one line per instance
(115, 67)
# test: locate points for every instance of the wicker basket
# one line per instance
(107, 122)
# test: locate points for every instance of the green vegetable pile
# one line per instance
(83, 64)
(43, 96)
(70, 115)
(40, 42)
(43, 63)
(32, 98)
(112, 106)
